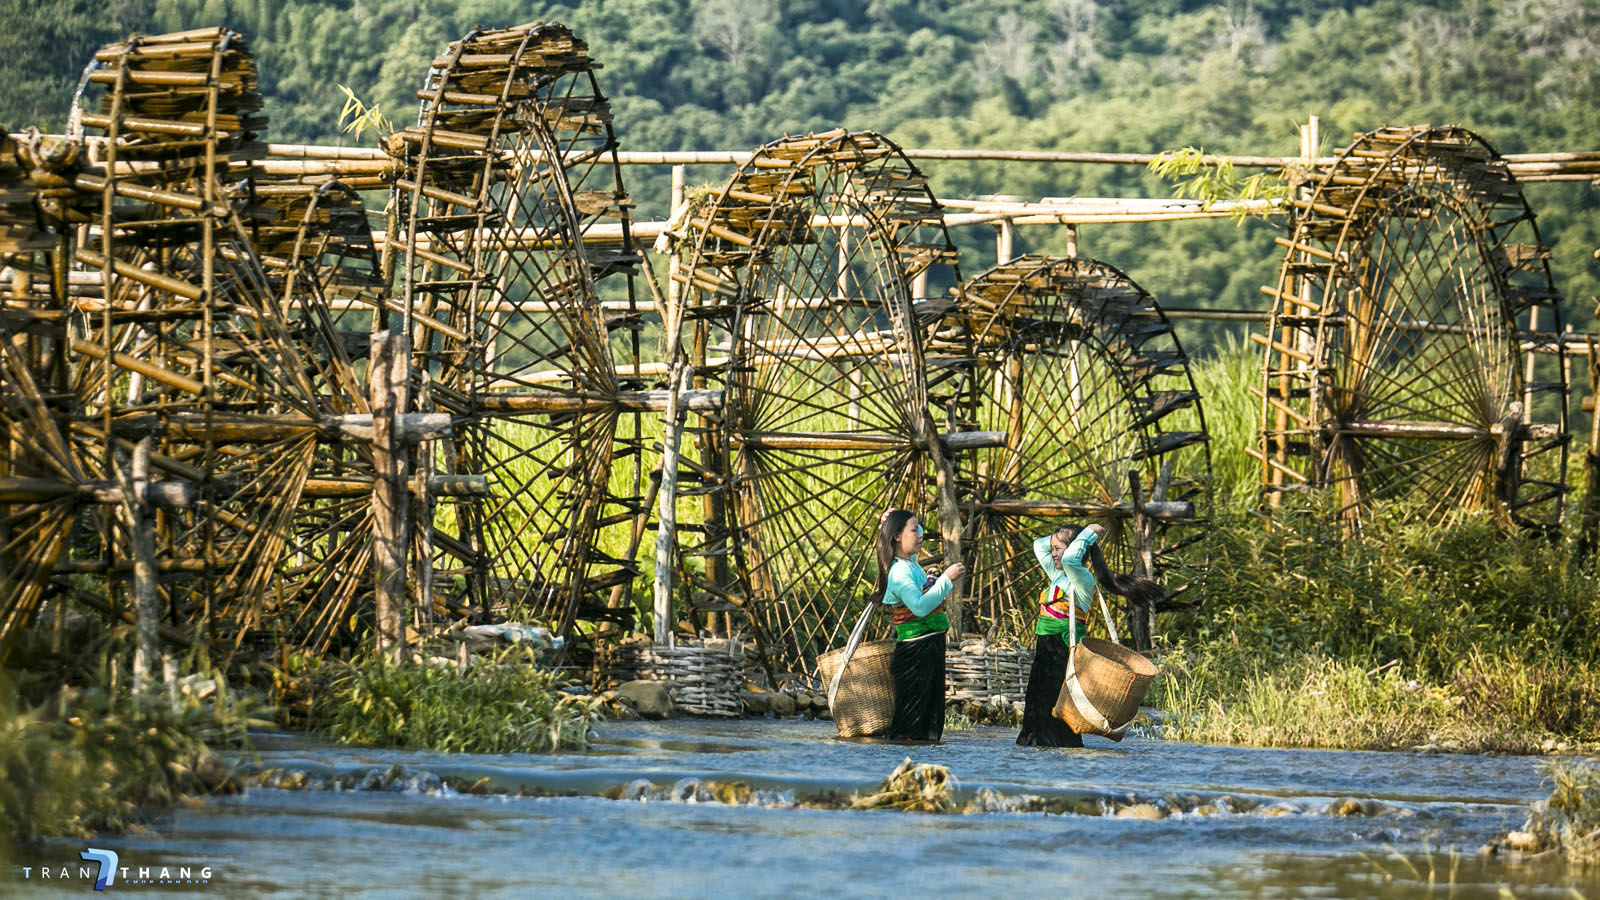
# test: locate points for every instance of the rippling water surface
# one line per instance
(1235, 823)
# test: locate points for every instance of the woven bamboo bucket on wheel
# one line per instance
(865, 703)
(1110, 681)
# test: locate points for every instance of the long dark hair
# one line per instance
(890, 524)
(1137, 588)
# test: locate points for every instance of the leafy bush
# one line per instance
(93, 760)
(505, 705)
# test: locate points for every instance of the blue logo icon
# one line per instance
(108, 866)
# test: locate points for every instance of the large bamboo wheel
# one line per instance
(320, 257)
(39, 472)
(1400, 357)
(1080, 369)
(803, 269)
(186, 342)
(513, 159)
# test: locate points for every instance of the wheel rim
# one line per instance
(1394, 360)
(806, 261)
(1083, 372)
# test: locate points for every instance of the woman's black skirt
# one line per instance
(1039, 728)
(918, 671)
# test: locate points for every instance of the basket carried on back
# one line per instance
(860, 686)
(1104, 684)
(864, 703)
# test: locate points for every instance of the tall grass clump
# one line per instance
(1568, 822)
(1221, 694)
(1224, 381)
(1304, 700)
(91, 760)
(1459, 634)
(1427, 595)
(502, 705)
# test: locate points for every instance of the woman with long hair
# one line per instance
(914, 599)
(1064, 614)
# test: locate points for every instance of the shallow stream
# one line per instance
(636, 815)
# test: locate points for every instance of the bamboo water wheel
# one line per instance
(511, 161)
(184, 342)
(39, 470)
(1399, 358)
(1080, 369)
(324, 269)
(801, 280)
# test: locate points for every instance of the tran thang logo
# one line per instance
(105, 868)
(108, 866)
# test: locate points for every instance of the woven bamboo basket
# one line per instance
(704, 679)
(865, 703)
(1112, 680)
(985, 673)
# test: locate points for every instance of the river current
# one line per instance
(647, 811)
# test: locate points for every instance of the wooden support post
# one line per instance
(1072, 241)
(422, 487)
(1589, 520)
(949, 525)
(388, 365)
(1004, 237)
(674, 206)
(1140, 620)
(1528, 370)
(139, 521)
(667, 518)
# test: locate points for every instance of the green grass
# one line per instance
(1569, 820)
(1219, 695)
(93, 760)
(506, 704)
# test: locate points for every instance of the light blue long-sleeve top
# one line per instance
(904, 589)
(1072, 577)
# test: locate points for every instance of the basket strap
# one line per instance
(1081, 701)
(1105, 611)
(856, 634)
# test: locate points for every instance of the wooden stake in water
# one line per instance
(140, 523)
(388, 375)
(668, 517)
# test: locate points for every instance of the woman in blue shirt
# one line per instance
(1064, 610)
(914, 598)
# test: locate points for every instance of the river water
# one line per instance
(634, 816)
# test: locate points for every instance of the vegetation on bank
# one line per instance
(505, 704)
(1568, 822)
(1461, 635)
(79, 761)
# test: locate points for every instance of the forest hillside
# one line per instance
(1081, 75)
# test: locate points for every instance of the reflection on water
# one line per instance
(722, 810)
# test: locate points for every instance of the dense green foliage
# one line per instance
(1050, 74)
(508, 705)
(95, 760)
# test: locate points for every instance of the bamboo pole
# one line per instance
(667, 517)
(1589, 521)
(388, 376)
(139, 520)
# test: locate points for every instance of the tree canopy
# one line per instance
(1232, 77)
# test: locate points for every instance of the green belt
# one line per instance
(926, 625)
(1053, 625)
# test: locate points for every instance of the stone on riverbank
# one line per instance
(1141, 811)
(650, 699)
(782, 705)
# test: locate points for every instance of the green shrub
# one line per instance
(504, 705)
(94, 760)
